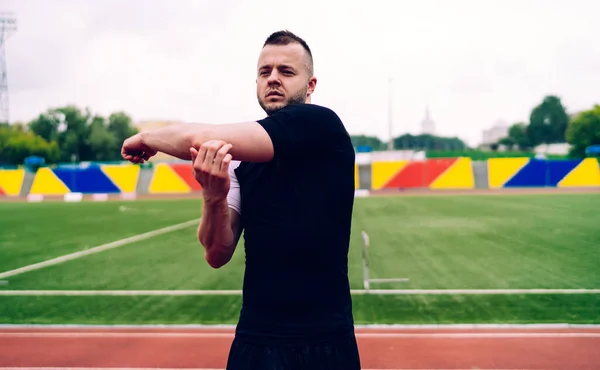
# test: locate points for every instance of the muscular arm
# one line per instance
(249, 140)
(220, 227)
(289, 131)
(219, 233)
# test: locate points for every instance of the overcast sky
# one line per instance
(473, 62)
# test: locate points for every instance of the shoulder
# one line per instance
(309, 110)
(296, 127)
(306, 116)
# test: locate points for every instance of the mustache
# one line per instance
(274, 92)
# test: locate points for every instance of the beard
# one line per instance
(297, 98)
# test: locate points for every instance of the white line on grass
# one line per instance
(476, 291)
(233, 292)
(98, 249)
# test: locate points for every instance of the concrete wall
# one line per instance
(434, 174)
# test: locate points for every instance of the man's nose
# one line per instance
(273, 78)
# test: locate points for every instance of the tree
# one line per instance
(507, 141)
(517, 133)
(428, 142)
(548, 122)
(121, 127)
(83, 136)
(19, 126)
(119, 123)
(66, 126)
(583, 131)
(17, 144)
(73, 140)
(101, 142)
(371, 141)
(45, 125)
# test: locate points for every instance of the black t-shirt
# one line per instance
(296, 215)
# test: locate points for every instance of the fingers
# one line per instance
(202, 153)
(220, 156)
(212, 148)
(139, 158)
(207, 151)
(193, 154)
(226, 162)
(134, 158)
(127, 155)
(135, 151)
(210, 156)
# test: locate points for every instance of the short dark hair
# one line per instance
(286, 37)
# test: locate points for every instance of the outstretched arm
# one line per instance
(250, 141)
(287, 132)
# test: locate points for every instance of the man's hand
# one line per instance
(211, 169)
(135, 151)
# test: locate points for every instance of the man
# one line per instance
(291, 192)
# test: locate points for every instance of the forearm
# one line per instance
(215, 233)
(249, 140)
(177, 139)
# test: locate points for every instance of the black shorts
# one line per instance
(337, 354)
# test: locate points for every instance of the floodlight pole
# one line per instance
(8, 26)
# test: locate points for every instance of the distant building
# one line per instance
(427, 124)
(498, 131)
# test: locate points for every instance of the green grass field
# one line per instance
(437, 242)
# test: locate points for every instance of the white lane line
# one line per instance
(239, 292)
(476, 291)
(120, 292)
(99, 248)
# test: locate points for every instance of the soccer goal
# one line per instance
(367, 280)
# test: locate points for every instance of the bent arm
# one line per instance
(220, 228)
(250, 142)
(219, 232)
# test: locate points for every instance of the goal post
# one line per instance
(367, 280)
(365, 260)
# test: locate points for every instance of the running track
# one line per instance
(207, 348)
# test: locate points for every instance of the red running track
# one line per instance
(95, 348)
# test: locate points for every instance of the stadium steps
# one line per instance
(144, 180)
(27, 182)
(480, 171)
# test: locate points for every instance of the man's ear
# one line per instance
(312, 84)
